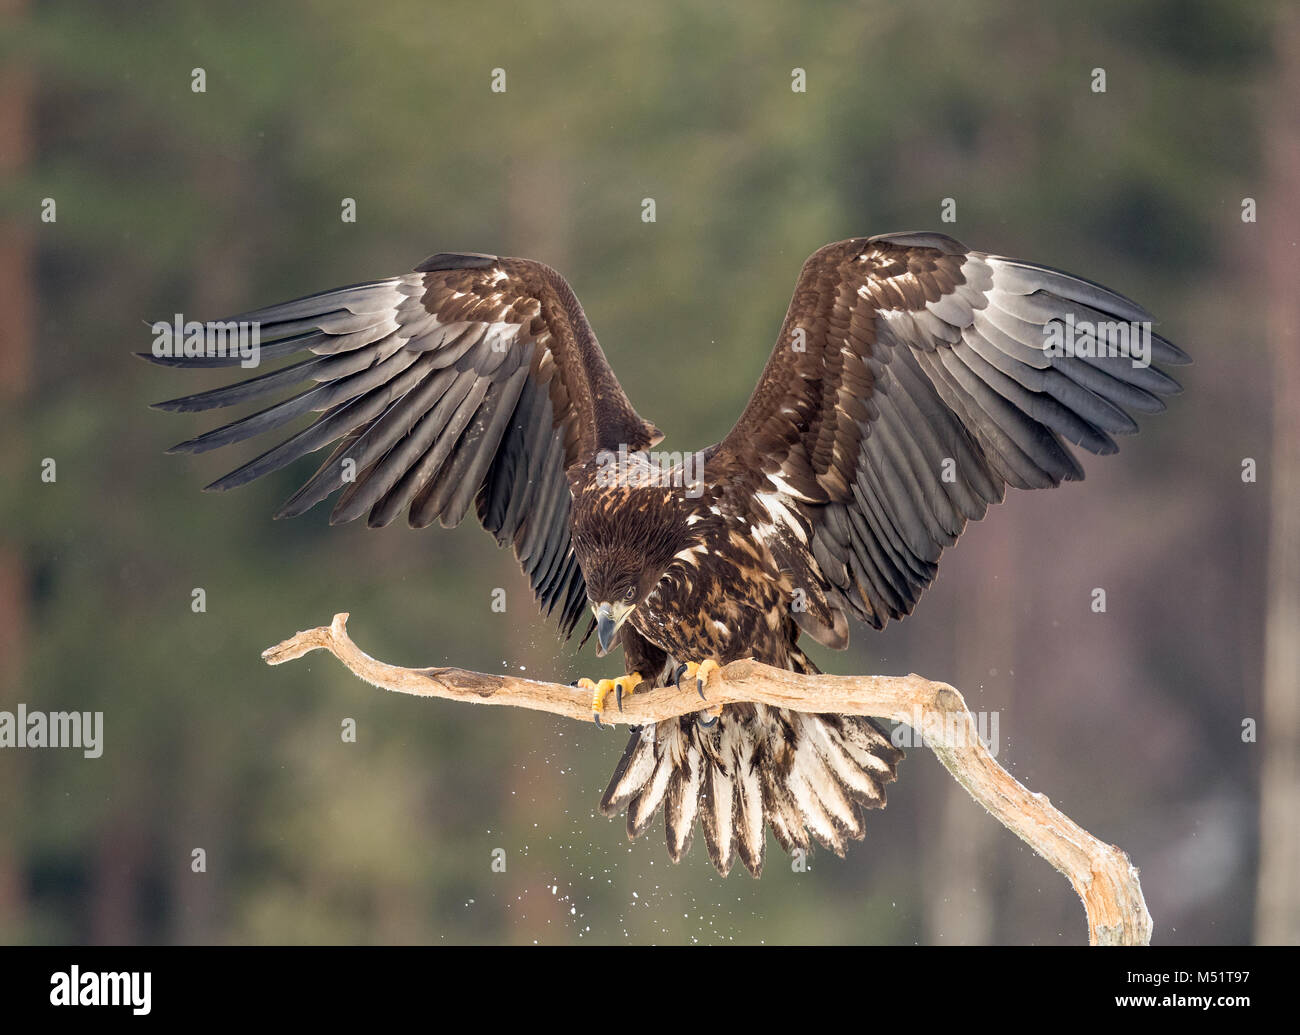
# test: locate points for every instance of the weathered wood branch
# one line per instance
(1101, 874)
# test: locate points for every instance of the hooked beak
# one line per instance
(608, 619)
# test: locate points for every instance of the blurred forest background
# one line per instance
(216, 202)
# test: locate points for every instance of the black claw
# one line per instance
(699, 686)
(618, 695)
(677, 676)
(599, 725)
(712, 722)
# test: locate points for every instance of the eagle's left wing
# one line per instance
(473, 380)
(913, 380)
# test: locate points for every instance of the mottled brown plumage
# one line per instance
(912, 381)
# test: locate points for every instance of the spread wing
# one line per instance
(473, 378)
(913, 381)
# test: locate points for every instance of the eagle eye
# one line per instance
(630, 595)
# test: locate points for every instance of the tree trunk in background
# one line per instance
(971, 864)
(968, 860)
(539, 209)
(17, 298)
(1278, 902)
(196, 916)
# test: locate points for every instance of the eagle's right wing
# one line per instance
(914, 379)
(472, 378)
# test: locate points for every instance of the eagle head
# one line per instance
(625, 540)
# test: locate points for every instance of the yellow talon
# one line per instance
(706, 669)
(699, 671)
(712, 713)
(600, 690)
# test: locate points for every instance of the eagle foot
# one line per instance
(700, 672)
(713, 714)
(601, 690)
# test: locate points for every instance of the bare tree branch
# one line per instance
(1101, 874)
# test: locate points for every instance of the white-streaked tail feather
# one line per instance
(682, 801)
(802, 774)
(718, 813)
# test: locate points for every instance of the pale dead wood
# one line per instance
(1101, 874)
